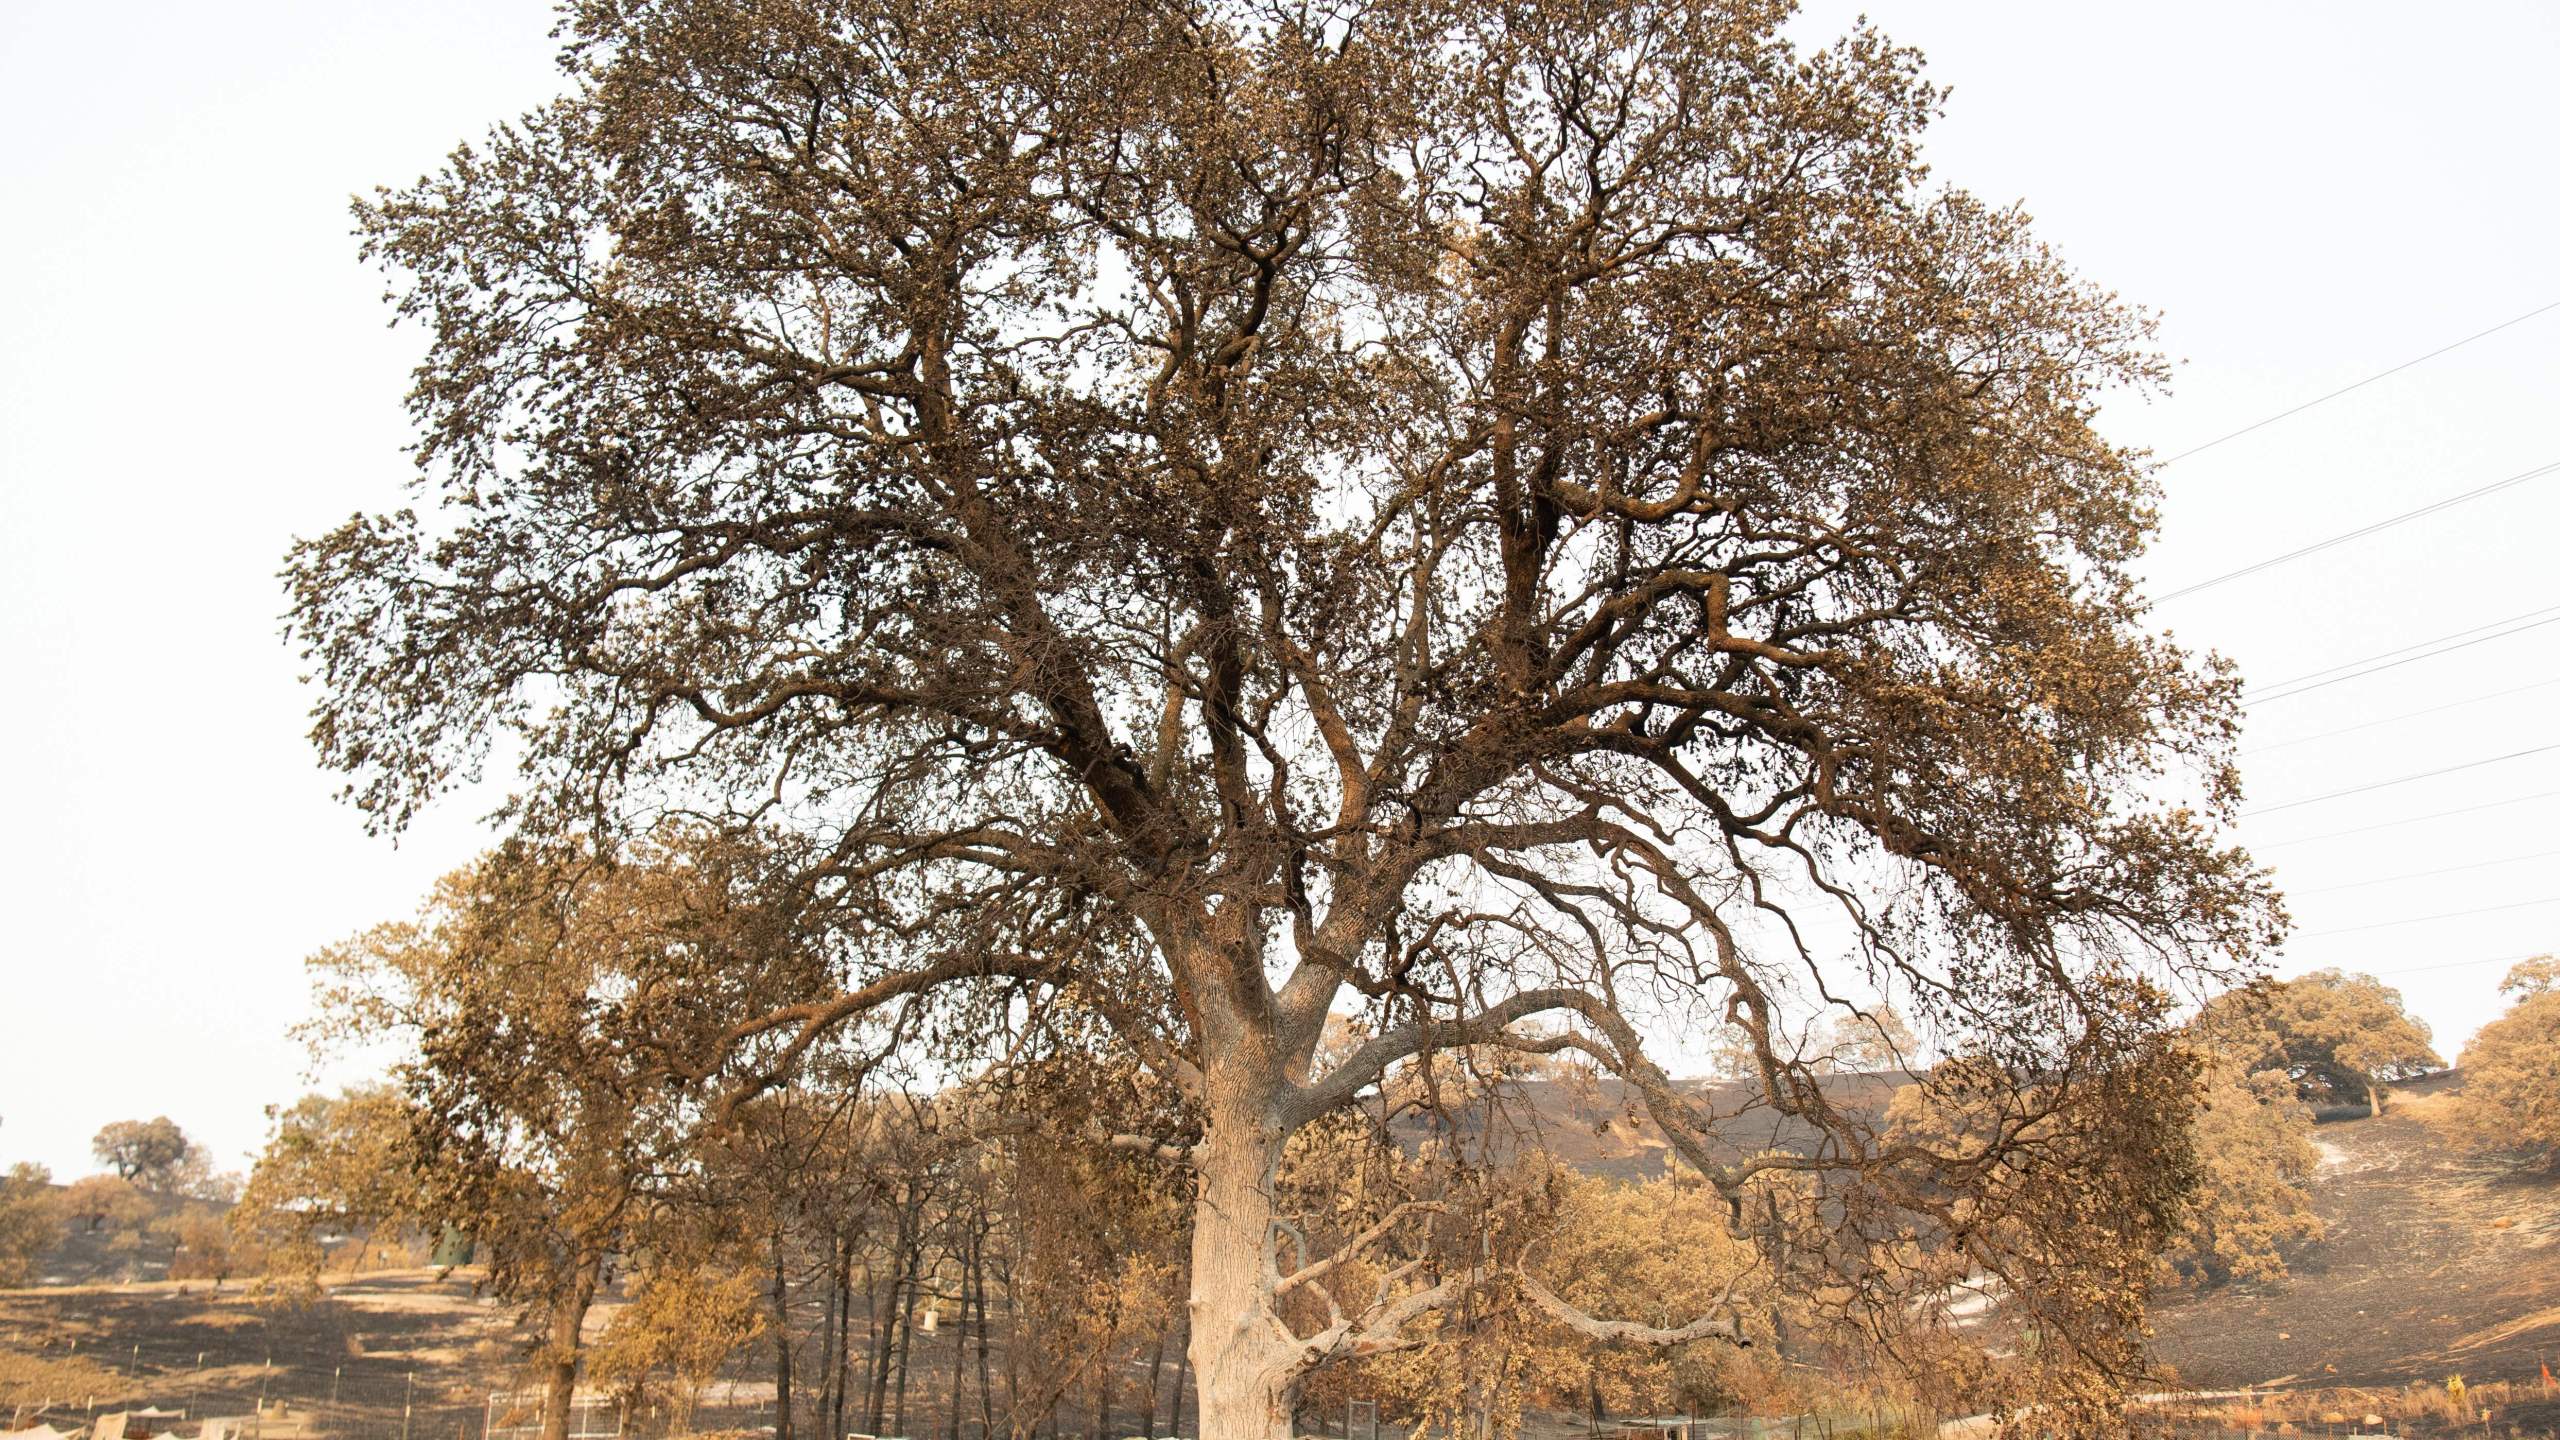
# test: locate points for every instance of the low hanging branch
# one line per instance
(1717, 1324)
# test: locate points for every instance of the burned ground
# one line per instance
(2434, 1264)
(351, 1360)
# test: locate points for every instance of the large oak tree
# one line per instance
(154, 1154)
(2336, 1035)
(1536, 522)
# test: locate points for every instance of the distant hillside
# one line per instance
(2433, 1265)
(109, 1255)
(1600, 1128)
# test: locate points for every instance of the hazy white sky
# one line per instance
(194, 368)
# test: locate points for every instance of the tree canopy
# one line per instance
(2510, 1098)
(2537, 976)
(544, 998)
(1497, 519)
(154, 1154)
(2341, 1037)
(30, 1221)
(2253, 1153)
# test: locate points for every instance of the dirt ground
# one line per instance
(357, 1358)
(2434, 1265)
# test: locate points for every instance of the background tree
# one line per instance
(543, 996)
(1401, 515)
(1090, 1277)
(1648, 1256)
(2510, 1097)
(801, 1170)
(154, 1154)
(205, 1245)
(106, 1203)
(334, 1168)
(30, 1221)
(2340, 1036)
(219, 1188)
(678, 1326)
(1868, 1041)
(2537, 976)
(2254, 1151)
(1649, 1253)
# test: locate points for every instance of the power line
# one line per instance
(2400, 780)
(2287, 689)
(2396, 719)
(2423, 919)
(2451, 964)
(2412, 820)
(2548, 467)
(2405, 649)
(2396, 664)
(2423, 874)
(2369, 379)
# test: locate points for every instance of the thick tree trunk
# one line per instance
(1246, 1362)
(2372, 1098)
(560, 1356)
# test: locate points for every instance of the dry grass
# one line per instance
(30, 1381)
(2426, 1408)
(2435, 1108)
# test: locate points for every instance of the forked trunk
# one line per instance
(1245, 1360)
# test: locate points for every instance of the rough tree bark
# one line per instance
(1246, 1360)
(564, 1346)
